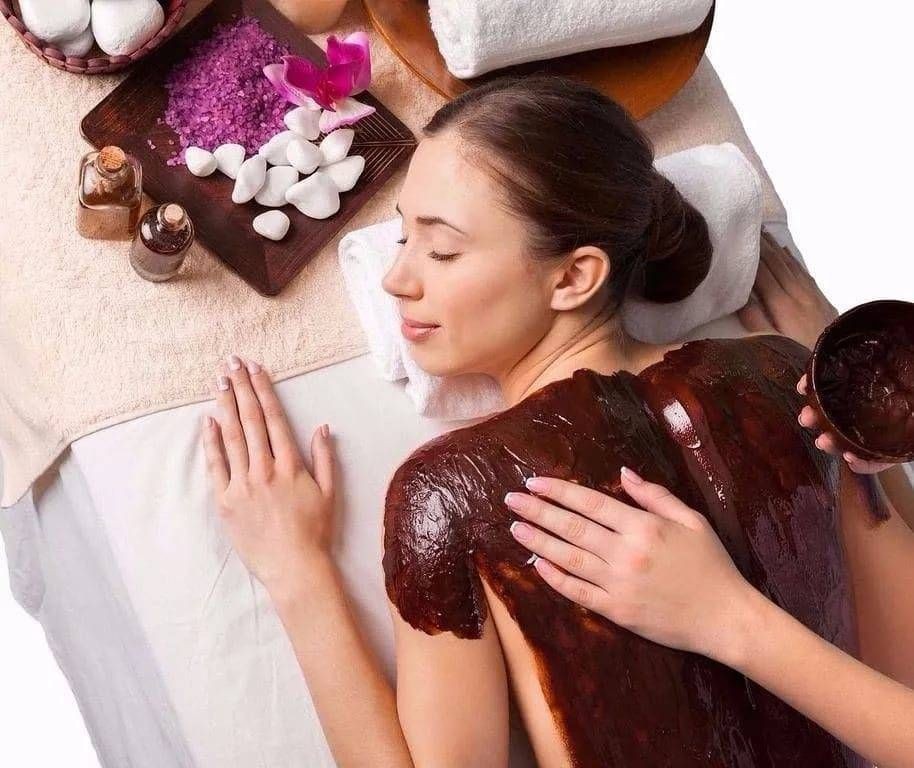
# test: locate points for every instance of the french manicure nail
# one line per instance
(514, 500)
(520, 531)
(253, 368)
(538, 484)
(632, 476)
(325, 430)
(222, 383)
(234, 363)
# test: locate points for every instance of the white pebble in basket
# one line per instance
(79, 45)
(55, 20)
(273, 225)
(123, 26)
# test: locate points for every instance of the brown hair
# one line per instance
(574, 164)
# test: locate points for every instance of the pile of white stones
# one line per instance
(271, 177)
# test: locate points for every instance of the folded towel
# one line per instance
(724, 186)
(718, 180)
(477, 36)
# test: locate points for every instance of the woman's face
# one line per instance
(464, 268)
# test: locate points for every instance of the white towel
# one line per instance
(718, 180)
(477, 36)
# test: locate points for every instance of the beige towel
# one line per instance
(85, 343)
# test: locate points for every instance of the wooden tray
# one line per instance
(128, 117)
(640, 77)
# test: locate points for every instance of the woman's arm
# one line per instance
(278, 515)
(664, 574)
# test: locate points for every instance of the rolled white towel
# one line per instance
(718, 180)
(477, 36)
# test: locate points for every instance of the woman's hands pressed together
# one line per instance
(659, 571)
(277, 513)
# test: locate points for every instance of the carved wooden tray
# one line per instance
(641, 77)
(129, 117)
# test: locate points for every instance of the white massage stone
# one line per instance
(316, 196)
(273, 193)
(304, 122)
(335, 146)
(275, 149)
(346, 172)
(79, 45)
(199, 161)
(251, 177)
(122, 26)
(229, 158)
(273, 225)
(55, 20)
(303, 155)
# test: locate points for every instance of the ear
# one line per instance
(582, 274)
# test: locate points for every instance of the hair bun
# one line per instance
(678, 249)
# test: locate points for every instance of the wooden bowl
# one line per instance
(96, 63)
(863, 319)
(640, 77)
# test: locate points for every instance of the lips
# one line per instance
(413, 330)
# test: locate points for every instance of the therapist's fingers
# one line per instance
(575, 560)
(251, 416)
(802, 385)
(753, 316)
(594, 504)
(215, 459)
(323, 461)
(230, 427)
(282, 439)
(863, 466)
(777, 262)
(826, 442)
(809, 418)
(767, 287)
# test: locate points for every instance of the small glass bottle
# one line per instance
(163, 237)
(110, 194)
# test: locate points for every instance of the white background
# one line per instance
(824, 94)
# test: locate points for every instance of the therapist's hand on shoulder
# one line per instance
(657, 569)
(277, 511)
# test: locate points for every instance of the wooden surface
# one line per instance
(640, 77)
(129, 116)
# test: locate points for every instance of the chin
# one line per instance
(435, 364)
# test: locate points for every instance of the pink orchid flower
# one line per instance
(330, 88)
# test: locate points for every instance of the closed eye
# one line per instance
(434, 254)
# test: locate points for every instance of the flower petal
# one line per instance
(308, 78)
(347, 111)
(355, 53)
(275, 73)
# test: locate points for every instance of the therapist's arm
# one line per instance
(279, 516)
(660, 570)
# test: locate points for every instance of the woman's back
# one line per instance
(715, 423)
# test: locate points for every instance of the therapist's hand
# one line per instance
(785, 298)
(657, 569)
(277, 513)
(826, 441)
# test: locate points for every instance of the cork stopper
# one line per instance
(172, 216)
(111, 159)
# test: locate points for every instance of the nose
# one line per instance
(400, 280)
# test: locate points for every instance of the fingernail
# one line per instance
(539, 484)
(520, 531)
(222, 382)
(234, 363)
(515, 500)
(253, 368)
(532, 560)
(325, 430)
(632, 476)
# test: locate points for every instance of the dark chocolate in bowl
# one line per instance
(861, 380)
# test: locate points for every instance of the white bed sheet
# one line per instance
(172, 650)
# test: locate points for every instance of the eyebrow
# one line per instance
(428, 220)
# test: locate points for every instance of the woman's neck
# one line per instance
(598, 343)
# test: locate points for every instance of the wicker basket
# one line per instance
(94, 64)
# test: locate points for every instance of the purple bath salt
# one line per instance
(219, 94)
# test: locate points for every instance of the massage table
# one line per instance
(172, 649)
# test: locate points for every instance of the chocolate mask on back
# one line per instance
(715, 422)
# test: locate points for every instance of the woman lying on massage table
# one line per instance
(529, 208)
